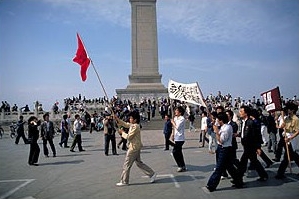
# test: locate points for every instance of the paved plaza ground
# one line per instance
(91, 174)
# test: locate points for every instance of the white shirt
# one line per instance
(179, 131)
(204, 123)
(226, 135)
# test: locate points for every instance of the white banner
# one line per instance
(186, 92)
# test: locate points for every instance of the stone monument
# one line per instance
(145, 80)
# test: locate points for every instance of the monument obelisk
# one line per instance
(145, 80)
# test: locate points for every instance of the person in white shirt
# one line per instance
(203, 129)
(224, 162)
(178, 137)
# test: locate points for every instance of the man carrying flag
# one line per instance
(82, 58)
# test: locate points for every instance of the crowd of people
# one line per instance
(217, 128)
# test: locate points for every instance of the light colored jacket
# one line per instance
(133, 135)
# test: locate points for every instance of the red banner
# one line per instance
(272, 100)
(82, 58)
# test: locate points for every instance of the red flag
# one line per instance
(272, 99)
(82, 58)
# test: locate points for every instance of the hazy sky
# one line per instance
(238, 47)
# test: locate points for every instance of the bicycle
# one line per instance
(13, 130)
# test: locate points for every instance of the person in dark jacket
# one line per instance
(256, 119)
(167, 131)
(33, 135)
(47, 134)
(250, 139)
(21, 131)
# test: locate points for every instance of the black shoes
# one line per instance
(210, 189)
(279, 177)
(33, 164)
(275, 160)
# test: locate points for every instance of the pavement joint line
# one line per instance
(294, 179)
(9, 193)
(176, 184)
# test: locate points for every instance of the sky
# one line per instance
(239, 47)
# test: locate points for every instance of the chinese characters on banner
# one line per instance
(272, 100)
(186, 92)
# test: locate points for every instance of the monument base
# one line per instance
(137, 94)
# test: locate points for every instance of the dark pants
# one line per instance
(285, 162)
(280, 145)
(178, 154)
(251, 155)
(167, 142)
(33, 153)
(224, 162)
(272, 142)
(108, 138)
(64, 138)
(21, 135)
(46, 151)
(77, 140)
(123, 141)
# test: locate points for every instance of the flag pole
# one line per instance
(98, 76)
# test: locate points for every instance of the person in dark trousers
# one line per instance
(64, 132)
(47, 134)
(167, 131)
(224, 162)
(33, 135)
(257, 124)
(272, 131)
(109, 133)
(234, 125)
(21, 131)
(250, 139)
(123, 141)
(78, 124)
(178, 137)
(281, 143)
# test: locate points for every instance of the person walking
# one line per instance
(33, 135)
(257, 124)
(21, 131)
(47, 134)
(178, 137)
(250, 139)
(291, 130)
(135, 145)
(78, 123)
(211, 133)
(272, 131)
(224, 162)
(234, 125)
(167, 131)
(64, 126)
(203, 129)
(191, 119)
